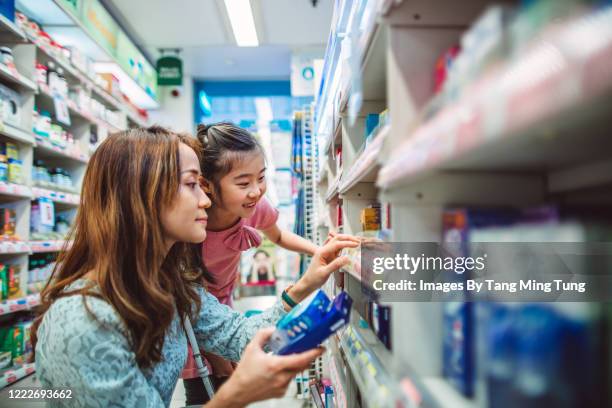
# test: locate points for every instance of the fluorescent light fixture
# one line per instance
(243, 25)
(129, 87)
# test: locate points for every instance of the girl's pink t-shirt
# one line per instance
(221, 249)
(221, 255)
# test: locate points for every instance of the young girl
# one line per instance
(234, 167)
(111, 327)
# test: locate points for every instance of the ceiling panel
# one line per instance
(184, 23)
(296, 22)
(232, 62)
(201, 29)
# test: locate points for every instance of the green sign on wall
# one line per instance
(170, 71)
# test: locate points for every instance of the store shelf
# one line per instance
(332, 191)
(322, 174)
(315, 396)
(46, 246)
(16, 374)
(9, 32)
(536, 124)
(338, 378)
(13, 247)
(335, 139)
(353, 268)
(17, 305)
(15, 190)
(97, 92)
(56, 196)
(14, 77)
(70, 71)
(76, 111)
(378, 387)
(53, 150)
(366, 165)
(16, 134)
(445, 395)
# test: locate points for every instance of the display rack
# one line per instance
(529, 131)
(11, 376)
(20, 130)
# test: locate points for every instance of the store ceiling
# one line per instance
(201, 28)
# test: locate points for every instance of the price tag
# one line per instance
(61, 110)
(47, 212)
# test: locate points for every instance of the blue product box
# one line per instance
(458, 314)
(7, 9)
(310, 323)
(371, 123)
(458, 357)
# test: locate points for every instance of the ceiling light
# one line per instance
(241, 18)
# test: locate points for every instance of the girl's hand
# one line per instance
(324, 262)
(261, 376)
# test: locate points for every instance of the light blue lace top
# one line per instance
(95, 360)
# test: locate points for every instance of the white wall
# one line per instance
(175, 113)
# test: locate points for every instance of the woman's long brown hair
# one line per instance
(131, 178)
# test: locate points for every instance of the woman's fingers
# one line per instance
(336, 264)
(347, 237)
(330, 236)
(337, 245)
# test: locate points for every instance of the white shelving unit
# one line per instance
(71, 157)
(535, 129)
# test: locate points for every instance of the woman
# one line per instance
(110, 328)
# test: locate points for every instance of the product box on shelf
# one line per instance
(458, 313)
(379, 319)
(8, 220)
(110, 83)
(370, 218)
(15, 344)
(542, 344)
(10, 106)
(7, 9)
(310, 323)
(556, 345)
(42, 217)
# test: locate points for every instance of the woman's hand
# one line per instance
(261, 376)
(324, 262)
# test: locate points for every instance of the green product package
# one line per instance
(6, 343)
(14, 281)
(18, 358)
(3, 282)
(26, 344)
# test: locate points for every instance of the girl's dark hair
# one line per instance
(223, 144)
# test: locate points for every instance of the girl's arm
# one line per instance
(289, 240)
